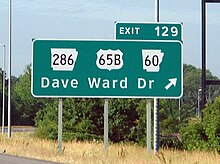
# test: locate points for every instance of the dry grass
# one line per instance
(23, 144)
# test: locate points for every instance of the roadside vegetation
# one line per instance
(25, 145)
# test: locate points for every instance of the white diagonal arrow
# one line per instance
(172, 82)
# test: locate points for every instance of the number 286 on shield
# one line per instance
(63, 59)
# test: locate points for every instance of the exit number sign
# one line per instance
(148, 31)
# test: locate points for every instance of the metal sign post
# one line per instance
(156, 125)
(148, 118)
(60, 128)
(106, 127)
(156, 100)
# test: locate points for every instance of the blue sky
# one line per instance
(85, 19)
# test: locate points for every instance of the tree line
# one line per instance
(83, 119)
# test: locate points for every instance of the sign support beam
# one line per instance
(148, 119)
(60, 128)
(212, 1)
(205, 82)
(156, 100)
(106, 127)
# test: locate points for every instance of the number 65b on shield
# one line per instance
(109, 59)
(63, 59)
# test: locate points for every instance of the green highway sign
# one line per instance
(106, 68)
(148, 31)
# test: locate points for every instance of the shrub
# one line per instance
(211, 123)
(193, 135)
(204, 134)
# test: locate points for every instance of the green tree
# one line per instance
(122, 119)
(204, 134)
(191, 88)
(169, 116)
(47, 121)
(174, 113)
(26, 105)
(14, 113)
(193, 135)
(211, 123)
(82, 119)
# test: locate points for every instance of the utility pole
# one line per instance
(9, 74)
(204, 81)
(3, 89)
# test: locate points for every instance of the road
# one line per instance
(19, 129)
(7, 159)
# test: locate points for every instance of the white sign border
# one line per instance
(120, 40)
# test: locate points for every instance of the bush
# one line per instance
(82, 119)
(204, 134)
(47, 123)
(211, 123)
(122, 117)
(193, 135)
(171, 143)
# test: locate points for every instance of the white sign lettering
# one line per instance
(58, 83)
(129, 30)
(106, 83)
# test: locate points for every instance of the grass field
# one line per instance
(25, 145)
